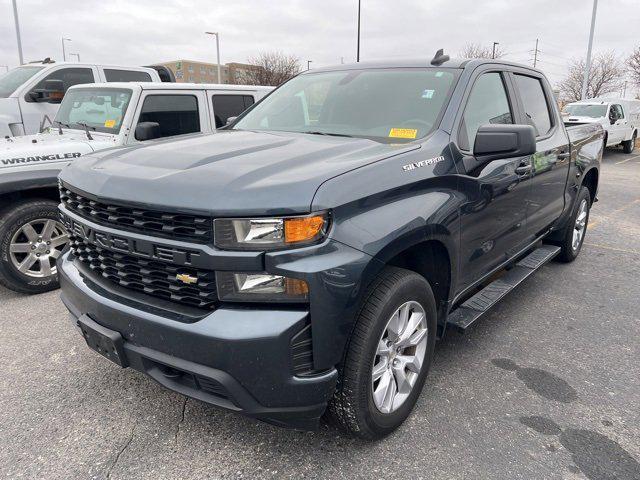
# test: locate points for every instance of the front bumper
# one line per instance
(234, 358)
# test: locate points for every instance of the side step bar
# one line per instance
(471, 310)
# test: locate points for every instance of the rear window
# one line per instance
(113, 75)
(225, 106)
(535, 103)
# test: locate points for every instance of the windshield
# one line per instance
(593, 111)
(386, 105)
(10, 81)
(101, 109)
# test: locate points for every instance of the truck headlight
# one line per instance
(270, 233)
(260, 287)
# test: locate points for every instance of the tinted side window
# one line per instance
(126, 76)
(487, 103)
(69, 77)
(176, 114)
(617, 111)
(535, 103)
(225, 106)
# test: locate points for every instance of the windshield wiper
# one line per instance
(86, 129)
(60, 125)
(328, 134)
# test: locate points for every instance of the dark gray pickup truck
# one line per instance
(304, 261)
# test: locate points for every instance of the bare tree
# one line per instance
(633, 66)
(605, 76)
(475, 50)
(270, 68)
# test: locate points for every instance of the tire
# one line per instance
(605, 139)
(570, 250)
(27, 247)
(355, 408)
(630, 145)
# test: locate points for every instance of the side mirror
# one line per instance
(53, 92)
(612, 119)
(147, 131)
(230, 120)
(494, 142)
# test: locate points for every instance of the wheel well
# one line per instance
(50, 193)
(591, 182)
(431, 260)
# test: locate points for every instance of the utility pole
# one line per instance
(309, 62)
(493, 52)
(358, 54)
(587, 69)
(64, 53)
(624, 92)
(535, 54)
(217, 51)
(15, 18)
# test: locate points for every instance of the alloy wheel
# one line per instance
(399, 357)
(580, 226)
(36, 246)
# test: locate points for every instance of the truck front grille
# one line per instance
(151, 277)
(196, 228)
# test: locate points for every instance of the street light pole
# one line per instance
(75, 55)
(585, 80)
(309, 62)
(15, 18)
(358, 54)
(218, 51)
(493, 52)
(64, 54)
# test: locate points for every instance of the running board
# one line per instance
(471, 310)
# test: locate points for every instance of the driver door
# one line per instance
(34, 112)
(493, 216)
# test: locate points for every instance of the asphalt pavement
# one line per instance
(547, 386)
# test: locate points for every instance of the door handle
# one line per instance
(524, 169)
(564, 155)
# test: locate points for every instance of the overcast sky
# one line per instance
(141, 32)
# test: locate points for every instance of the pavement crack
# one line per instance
(184, 410)
(121, 451)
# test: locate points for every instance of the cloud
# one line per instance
(150, 31)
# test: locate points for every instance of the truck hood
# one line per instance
(575, 120)
(227, 173)
(48, 148)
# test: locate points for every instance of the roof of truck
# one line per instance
(175, 86)
(424, 63)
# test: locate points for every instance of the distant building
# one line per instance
(189, 71)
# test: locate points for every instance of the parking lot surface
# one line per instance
(547, 386)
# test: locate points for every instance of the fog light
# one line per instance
(260, 287)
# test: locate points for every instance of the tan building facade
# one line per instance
(189, 71)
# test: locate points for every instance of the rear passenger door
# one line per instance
(229, 104)
(176, 112)
(546, 197)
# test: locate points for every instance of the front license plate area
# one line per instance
(106, 342)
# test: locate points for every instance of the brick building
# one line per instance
(189, 71)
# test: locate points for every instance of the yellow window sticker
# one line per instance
(110, 123)
(403, 133)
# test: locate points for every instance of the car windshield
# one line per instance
(10, 81)
(385, 105)
(100, 109)
(593, 111)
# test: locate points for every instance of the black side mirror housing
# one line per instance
(53, 92)
(147, 131)
(498, 141)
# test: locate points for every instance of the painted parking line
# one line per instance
(627, 159)
(613, 249)
(614, 213)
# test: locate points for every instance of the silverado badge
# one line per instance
(186, 278)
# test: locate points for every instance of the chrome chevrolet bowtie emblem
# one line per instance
(186, 278)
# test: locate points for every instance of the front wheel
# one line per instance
(388, 356)
(576, 230)
(31, 241)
